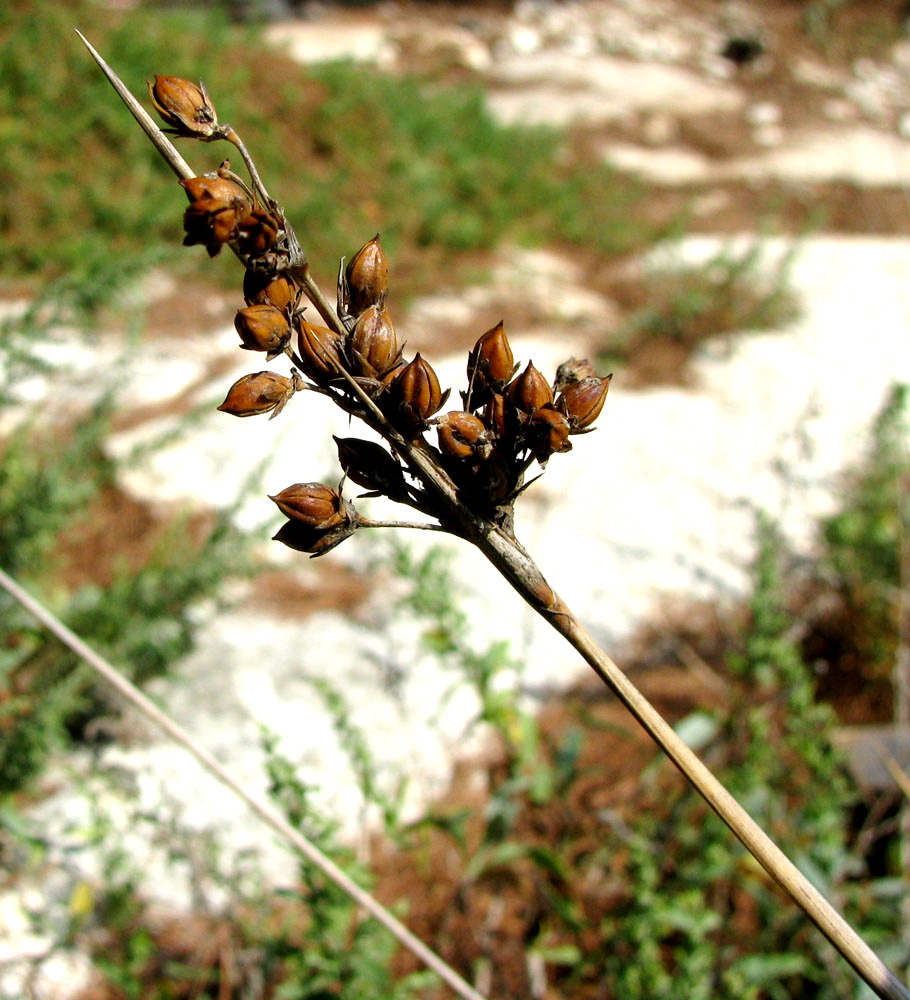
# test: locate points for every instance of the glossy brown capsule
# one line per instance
(415, 393)
(491, 363)
(572, 371)
(373, 346)
(263, 328)
(262, 288)
(261, 392)
(184, 107)
(314, 504)
(461, 434)
(367, 277)
(530, 390)
(582, 401)
(496, 415)
(215, 188)
(216, 206)
(319, 350)
(547, 433)
(368, 464)
(316, 541)
(257, 232)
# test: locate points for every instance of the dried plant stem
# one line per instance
(420, 525)
(263, 810)
(231, 136)
(530, 584)
(853, 948)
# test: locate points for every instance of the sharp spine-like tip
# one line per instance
(161, 142)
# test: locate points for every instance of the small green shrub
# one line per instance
(864, 541)
(728, 293)
(329, 948)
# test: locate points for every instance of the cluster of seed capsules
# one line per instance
(508, 419)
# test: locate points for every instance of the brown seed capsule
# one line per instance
(500, 416)
(367, 277)
(547, 433)
(491, 363)
(530, 390)
(183, 106)
(320, 352)
(461, 434)
(373, 345)
(257, 232)
(572, 371)
(216, 206)
(415, 395)
(214, 188)
(369, 465)
(582, 401)
(314, 504)
(258, 393)
(315, 541)
(266, 289)
(263, 328)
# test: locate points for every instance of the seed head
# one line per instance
(216, 206)
(490, 363)
(415, 395)
(571, 371)
(547, 433)
(301, 537)
(263, 288)
(500, 416)
(369, 465)
(461, 434)
(319, 517)
(320, 352)
(314, 504)
(257, 232)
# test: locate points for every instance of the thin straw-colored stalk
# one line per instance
(521, 572)
(263, 810)
(501, 547)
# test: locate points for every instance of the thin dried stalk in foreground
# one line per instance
(468, 483)
(267, 813)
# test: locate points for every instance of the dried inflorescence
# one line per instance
(508, 421)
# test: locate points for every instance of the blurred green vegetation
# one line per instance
(731, 292)
(62, 519)
(345, 150)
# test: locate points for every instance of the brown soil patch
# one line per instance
(117, 534)
(283, 595)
